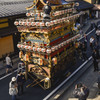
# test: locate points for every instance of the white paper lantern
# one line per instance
(28, 23)
(22, 46)
(56, 47)
(28, 14)
(43, 50)
(16, 23)
(47, 24)
(34, 49)
(20, 22)
(33, 23)
(52, 23)
(68, 41)
(59, 45)
(37, 23)
(53, 49)
(26, 47)
(42, 24)
(39, 49)
(48, 51)
(29, 47)
(62, 44)
(19, 45)
(42, 14)
(32, 14)
(55, 21)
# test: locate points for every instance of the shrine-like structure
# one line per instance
(48, 37)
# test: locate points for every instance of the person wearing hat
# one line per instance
(13, 88)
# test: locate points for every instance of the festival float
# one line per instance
(48, 37)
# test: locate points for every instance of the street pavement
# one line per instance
(31, 93)
(89, 78)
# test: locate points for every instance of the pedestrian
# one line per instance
(81, 91)
(92, 42)
(85, 40)
(95, 60)
(96, 47)
(8, 63)
(13, 88)
(20, 81)
(81, 32)
(84, 49)
(97, 33)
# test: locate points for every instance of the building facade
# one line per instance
(9, 35)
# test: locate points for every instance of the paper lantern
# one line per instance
(37, 23)
(58, 13)
(39, 49)
(16, 23)
(34, 49)
(26, 47)
(38, 14)
(62, 44)
(48, 51)
(28, 14)
(19, 45)
(53, 49)
(55, 21)
(56, 47)
(29, 47)
(42, 24)
(59, 45)
(28, 23)
(52, 23)
(32, 14)
(68, 41)
(20, 22)
(43, 50)
(22, 46)
(33, 23)
(42, 14)
(47, 24)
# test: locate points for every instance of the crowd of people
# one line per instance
(81, 91)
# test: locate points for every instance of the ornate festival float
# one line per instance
(48, 36)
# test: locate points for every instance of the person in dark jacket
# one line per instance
(95, 60)
(96, 47)
(81, 91)
(84, 54)
(20, 81)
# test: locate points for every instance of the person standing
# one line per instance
(84, 54)
(8, 63)
(95, 60)
(92, 42)
(13, 88)
(97, 34)
(20, 81)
